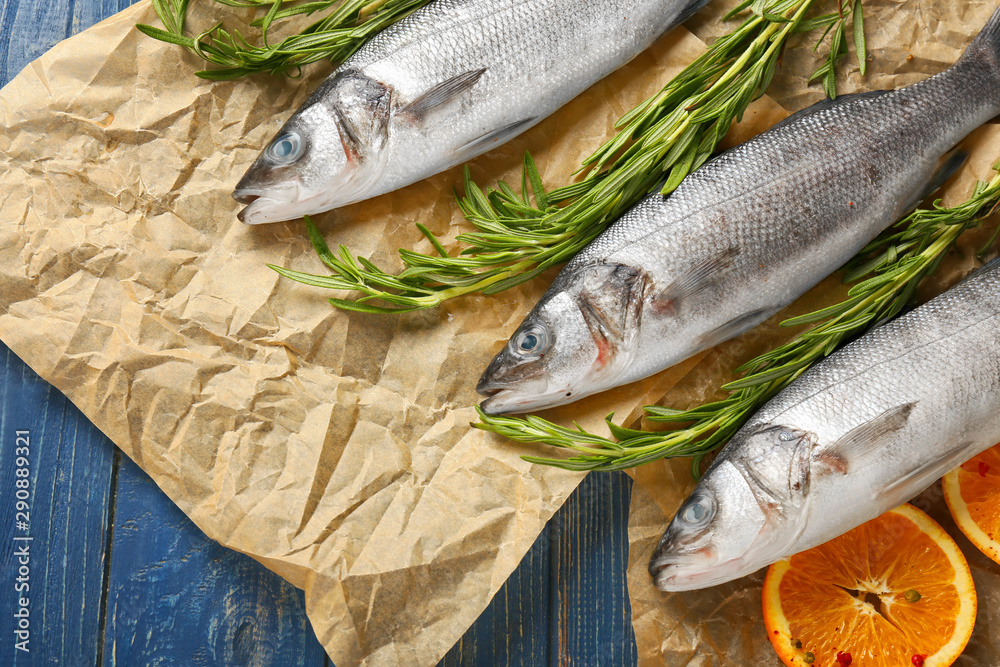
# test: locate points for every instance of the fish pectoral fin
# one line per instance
(734, 327)
(694, 279)
(950, 163)
(481, 144)
(922, 476)
(441, 94)
(860, 439)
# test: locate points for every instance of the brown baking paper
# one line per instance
(334, 448)
(721, 626)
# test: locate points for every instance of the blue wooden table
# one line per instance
(114, 573)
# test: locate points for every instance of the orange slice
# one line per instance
(895, 591)
(972, 493)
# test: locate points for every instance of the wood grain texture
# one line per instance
(567, 603)
(175, 597)
(29, 28)
(122, 577)
(590, 556)
(70, 467)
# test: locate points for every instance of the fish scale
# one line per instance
(510, 64)
(864, 430)
(744, 235)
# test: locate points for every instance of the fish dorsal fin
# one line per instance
(862, 438)
(828, 103)
(481, 144)
(442, 94)
(694, 279)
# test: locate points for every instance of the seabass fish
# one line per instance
(858, 434)
(741, 237)
(440, 87)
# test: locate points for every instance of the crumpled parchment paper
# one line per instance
(335, 448)
(908, 40)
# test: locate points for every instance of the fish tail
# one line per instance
(986, 45)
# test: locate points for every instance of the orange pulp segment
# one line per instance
(894, 591)
(972, 492)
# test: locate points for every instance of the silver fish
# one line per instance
(447, 83)
(861, 432)
(742, 237)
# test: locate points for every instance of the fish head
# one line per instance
(543, 363)
(575, 342)
(712, 537)
(328, 154)
(746, 512)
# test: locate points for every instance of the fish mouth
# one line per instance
(502, 400)
(268, 205)
(245, 196)
(682, 573)
(499, 399)
(498, 403)
(260, 209)
(506, 391)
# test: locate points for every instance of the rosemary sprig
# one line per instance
(335, 37)
(837, 24)
(657, 143)
(894, 264)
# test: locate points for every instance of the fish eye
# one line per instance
(698, 512)
(285, 149)
(531, 341)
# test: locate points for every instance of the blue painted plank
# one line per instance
(34, 28)
(591, 622)
(566, 603)
(29, 28)
(66, 476)
(512, 631)
(175, 597)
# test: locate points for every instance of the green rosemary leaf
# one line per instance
(735, 11)
(536, 183)
(328, 282)
(513, 281)
(859, 37)
(433, 239)
(361, 307)
(824, 314)
(764, 377)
